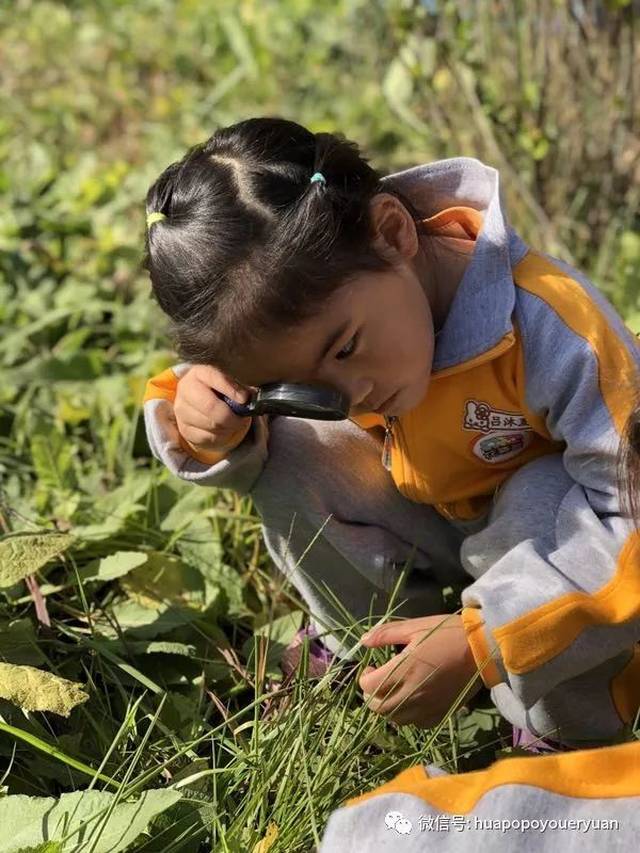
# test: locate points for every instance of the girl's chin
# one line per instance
(407, 400)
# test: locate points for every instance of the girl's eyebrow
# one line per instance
(333, 338)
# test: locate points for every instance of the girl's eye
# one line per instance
(349, 348)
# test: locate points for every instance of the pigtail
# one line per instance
(160, 194)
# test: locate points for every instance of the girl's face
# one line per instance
(374, 337)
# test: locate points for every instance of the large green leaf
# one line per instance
(18, 643)
(79, 820)
(52, 458)
(114, 566)
(181, 828)
(164, 579)
(21, 554)
(145, 623)
(113, 510)
(186, 509)
(37, 690)
(198, 540)
(156, 647)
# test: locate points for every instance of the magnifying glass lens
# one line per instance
(317, 402)
(302, 401)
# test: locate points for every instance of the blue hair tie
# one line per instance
(318, 176)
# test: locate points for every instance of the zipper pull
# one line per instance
(388, 441)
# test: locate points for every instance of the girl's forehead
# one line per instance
(295, 352)
(291, 353)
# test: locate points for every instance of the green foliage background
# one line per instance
(96, 98)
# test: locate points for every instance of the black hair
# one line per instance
(629, 466)
(248, 244)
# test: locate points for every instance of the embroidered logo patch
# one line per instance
(480, 417)
(498, 447)
(505, 433)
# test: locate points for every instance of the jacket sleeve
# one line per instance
(558, 588)
(237, 469)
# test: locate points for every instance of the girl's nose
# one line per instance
(356, 388)
(357, 391)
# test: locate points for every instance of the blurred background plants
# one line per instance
(157, 597)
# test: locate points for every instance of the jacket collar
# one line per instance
(480, 315)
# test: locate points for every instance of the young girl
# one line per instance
(489, 384)
(584, 800)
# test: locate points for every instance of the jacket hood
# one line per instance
(480, 315)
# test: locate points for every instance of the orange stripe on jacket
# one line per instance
(603, 773)
(474, 627)
(534, 638)
(618, 375)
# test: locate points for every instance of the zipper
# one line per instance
(387, 446)
(396, 439)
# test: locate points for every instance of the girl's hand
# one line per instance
(203, 419)
(420, 684)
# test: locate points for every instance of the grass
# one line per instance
(247, 748)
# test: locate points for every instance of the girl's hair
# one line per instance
(248, 244)
(629, 466)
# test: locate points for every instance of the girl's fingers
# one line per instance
(405, 630)
(205, 439)
(391, 705)
(409, 701)
(373, 684)
(213, 378)
(392, 632)
(384, 678)
(219, 421)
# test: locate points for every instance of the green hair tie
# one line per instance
(156, 216)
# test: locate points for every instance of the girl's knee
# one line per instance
(305, 452)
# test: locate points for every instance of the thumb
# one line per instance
(400, 631)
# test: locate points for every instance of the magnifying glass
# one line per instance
(317, 402)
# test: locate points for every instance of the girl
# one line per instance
(590, 796)
(488, 383)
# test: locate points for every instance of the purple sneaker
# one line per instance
(524, 739)
(320, 656)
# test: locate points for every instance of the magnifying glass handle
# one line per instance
(240, 409)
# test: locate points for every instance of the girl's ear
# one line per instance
(394, 232)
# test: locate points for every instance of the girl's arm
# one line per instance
(557, 593)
